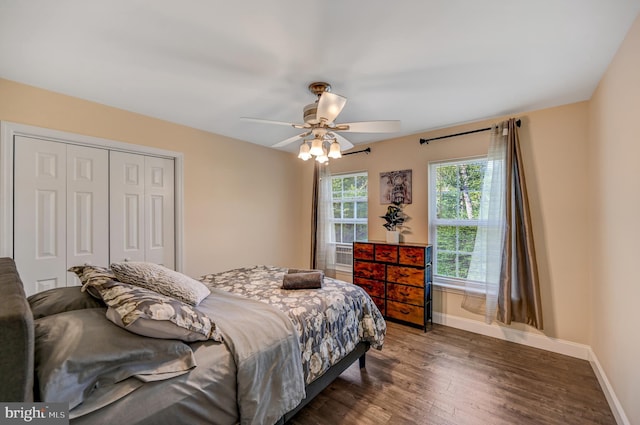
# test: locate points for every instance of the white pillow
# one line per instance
(161, 280)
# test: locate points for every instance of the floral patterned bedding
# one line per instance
(330, 321)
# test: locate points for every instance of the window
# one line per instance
(455, 189)
(350, 214)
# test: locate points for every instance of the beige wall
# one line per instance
(238, 206)
(614, 115)
(554, 146)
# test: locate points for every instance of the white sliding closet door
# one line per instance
(87, 208)
(61, 219)
(80, 200)
(127, 207)
(142, 209)
(40, 205)
(159, 211)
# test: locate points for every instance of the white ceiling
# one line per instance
(207, 63)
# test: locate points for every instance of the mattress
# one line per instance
(330, 321)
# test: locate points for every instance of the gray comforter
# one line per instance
(254, 377)
(269, 374)
(330, 321)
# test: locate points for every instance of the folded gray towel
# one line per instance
(309, 280)
(292, 271)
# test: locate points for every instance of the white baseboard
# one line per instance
(607, 389)
(555, 345)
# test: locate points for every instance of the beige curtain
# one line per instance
(519, 291)
(504, 256)
(487, 259)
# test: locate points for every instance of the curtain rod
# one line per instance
(423, 141)
(367, 151)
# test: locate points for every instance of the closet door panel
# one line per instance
(159, 208)
(127, 207)
(87, 208)
(39, 221)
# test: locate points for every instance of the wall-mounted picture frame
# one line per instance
(395, 187)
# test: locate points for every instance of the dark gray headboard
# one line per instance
(16, 337)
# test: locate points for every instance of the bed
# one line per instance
(279, 349)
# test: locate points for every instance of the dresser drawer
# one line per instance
(405, 294)
(412, 256)
(386, 253)
(363, 251)
(374, 288)
(397, 277)
(405, 312)
(368, 270)
(406, 275)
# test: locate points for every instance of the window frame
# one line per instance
(348, 245)
(454, 283)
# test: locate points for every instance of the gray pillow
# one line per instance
(148, 313)
(161, 280)
(59, 300)
(78, 351)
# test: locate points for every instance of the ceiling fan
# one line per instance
(319, 122)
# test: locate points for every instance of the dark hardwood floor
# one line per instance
(450, 376)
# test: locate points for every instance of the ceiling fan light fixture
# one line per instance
(316, 147)
(329, 107)
(334, 150)
(319, 121)
(322, 158)
(304, 151)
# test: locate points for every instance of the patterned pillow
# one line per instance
(148, 313)
(92, 274)
(161, 280)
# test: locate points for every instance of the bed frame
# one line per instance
(17, 346)
(316, 387)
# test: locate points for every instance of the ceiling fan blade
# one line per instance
(290, 140)
(261, 121)
(329, 106)
(344, 143)
(389, 126)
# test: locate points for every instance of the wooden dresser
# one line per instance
(398, 278)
